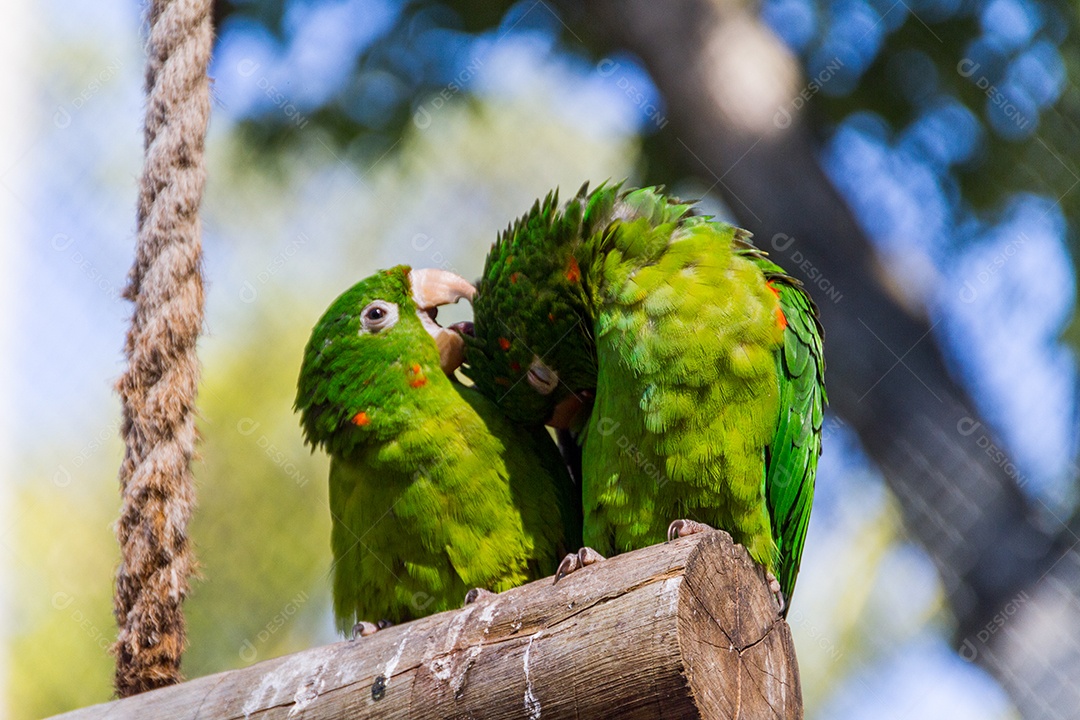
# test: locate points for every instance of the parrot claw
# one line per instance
(364, 628)
(575, 561)
(682, 528)
(774, 588)
(477, 594)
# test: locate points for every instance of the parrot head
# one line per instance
(530, 346)
(536, 363)
(374, 352)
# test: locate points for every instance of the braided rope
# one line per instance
(158, 389)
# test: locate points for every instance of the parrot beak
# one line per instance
(430, 289)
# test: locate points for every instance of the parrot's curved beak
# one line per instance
(430, 289)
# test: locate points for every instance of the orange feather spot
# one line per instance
(781, 320)
(515, 366)
(504, 344)
(419, 379)
(551, 317)
(573, 272)
(361, 419)
(513, 278)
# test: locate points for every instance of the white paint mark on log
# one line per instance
(273, 686)
(306, 693)
(392, 663)
(487, 615)
(669, 591)
(532, 704)
(454, 629)
(256, 700)
(458, 682)
(441, 668)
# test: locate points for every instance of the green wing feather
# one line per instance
(792, 456)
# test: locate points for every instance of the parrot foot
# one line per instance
(477, 594)
(364, 628)
(682, 528)
(575, 561)
(774, 588)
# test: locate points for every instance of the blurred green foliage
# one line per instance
(262, 525)
(63, 625)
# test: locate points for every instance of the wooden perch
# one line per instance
(686, 629)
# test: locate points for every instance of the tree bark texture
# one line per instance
(686, 629)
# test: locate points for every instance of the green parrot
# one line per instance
(433, 493)
(686, 363)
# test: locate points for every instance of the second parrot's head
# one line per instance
(529, 350)
(375, 354)
(530, 347)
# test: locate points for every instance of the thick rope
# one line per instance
(158, 389)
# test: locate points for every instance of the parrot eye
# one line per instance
(542, 378)
(379, 315)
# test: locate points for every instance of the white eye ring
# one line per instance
(378, 315)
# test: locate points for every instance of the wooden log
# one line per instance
(686, 629)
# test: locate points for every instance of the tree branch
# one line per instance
(686, 629)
